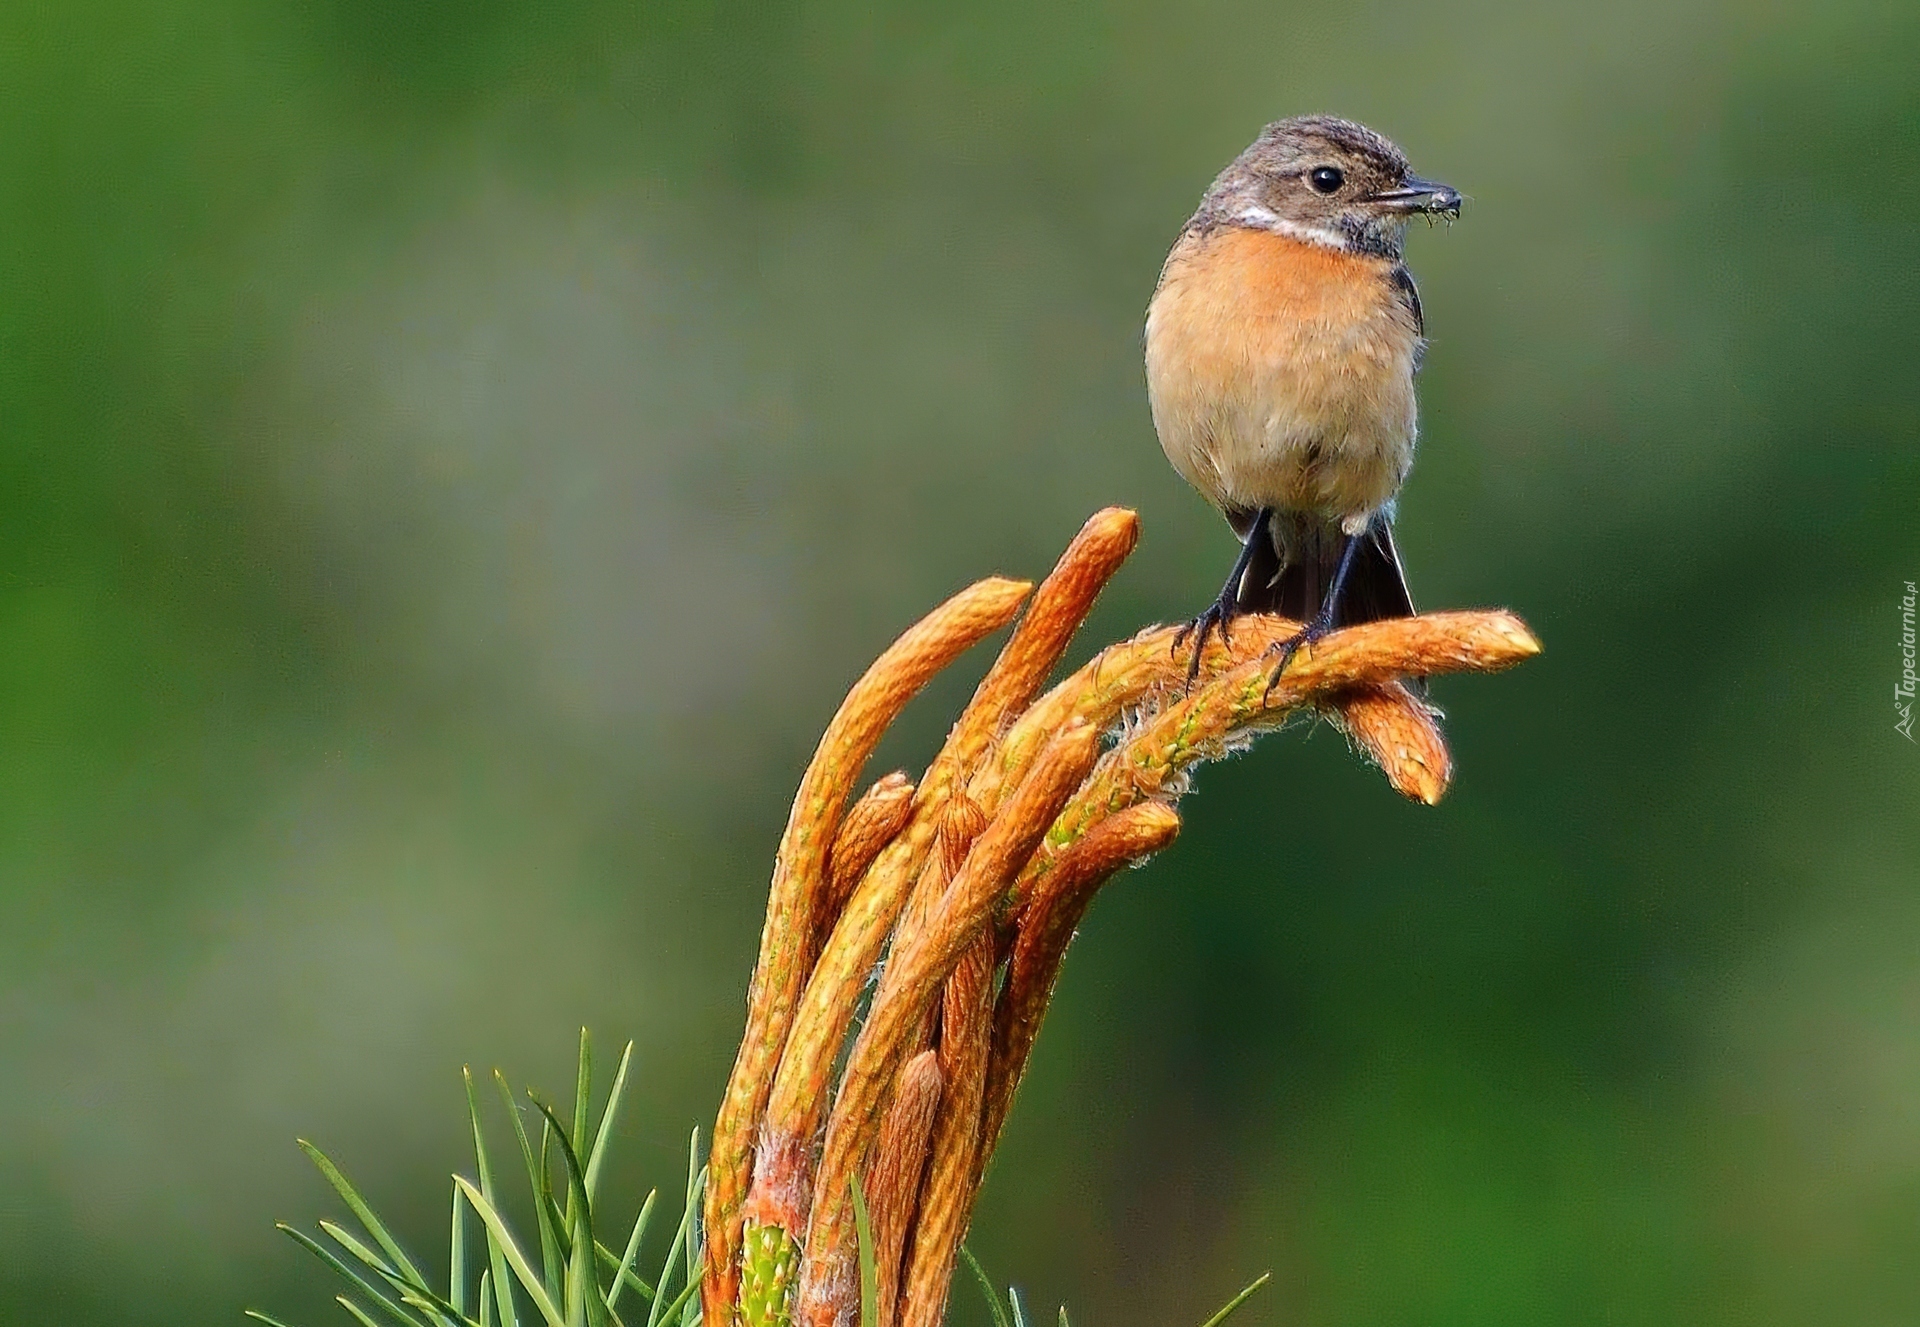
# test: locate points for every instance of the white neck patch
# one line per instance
(1260, 218)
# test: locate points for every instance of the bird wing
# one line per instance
(1409, 295)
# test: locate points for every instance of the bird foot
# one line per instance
(1309, 635)
(1214, 617)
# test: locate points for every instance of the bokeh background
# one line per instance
(456, 452)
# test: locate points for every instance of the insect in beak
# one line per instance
(1416, 196)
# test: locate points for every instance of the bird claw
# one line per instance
(1214, 617)
(1309, 635)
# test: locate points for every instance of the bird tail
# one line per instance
(1376, 584)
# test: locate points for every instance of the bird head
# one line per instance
(1327, 181)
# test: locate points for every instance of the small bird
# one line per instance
(1281, 345)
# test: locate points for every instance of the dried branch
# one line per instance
(871, 825)
(1045, 924)
(796, 1100)
(899, 1163)
(1030, 820)
(909, 983)
(946, 1200)
(799, 873)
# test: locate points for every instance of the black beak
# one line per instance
(1418, 195)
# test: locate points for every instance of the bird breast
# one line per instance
(1281, 373)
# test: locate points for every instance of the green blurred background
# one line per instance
(455, 454)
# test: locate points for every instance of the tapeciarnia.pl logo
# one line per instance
(1903, 689)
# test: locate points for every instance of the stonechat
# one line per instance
(1282, 343)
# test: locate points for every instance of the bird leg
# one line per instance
(1223, 610)
(1322, 622)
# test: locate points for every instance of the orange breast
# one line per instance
(1268, 277)
(1281, 373)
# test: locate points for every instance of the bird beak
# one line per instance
(1417, 195)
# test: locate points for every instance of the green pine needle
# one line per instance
(550, 1261)
(531, 1282)
(582, 1094)
(498, 1284)
(661, 1311)
(1239, 1299)
(597, 1155)
(579, 1280)
(696, 1177)
(623, 1267)
(576, 1281)
(457, 1256)
(366, 1287)
(681, 1300)
(869, 1273)
(986, 1288)
(585, 1301)
(362, 1212)
(354, 1309)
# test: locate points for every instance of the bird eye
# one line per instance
(1326, 179)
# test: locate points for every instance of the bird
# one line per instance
(1282, 341)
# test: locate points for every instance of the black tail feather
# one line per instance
(1376, 586)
